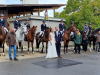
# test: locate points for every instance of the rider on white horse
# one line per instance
(2, 23)
(17, 23)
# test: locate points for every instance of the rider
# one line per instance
(27, 24)
(86, 28)
(62, 26)
(2, 22)
(28, 28)
(17, 23)
(43, 28)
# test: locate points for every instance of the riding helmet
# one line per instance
(85, 22)
(61, 19)
(2, 15)
(89, 23)
(17, 16)
(43, 21)
(27, 19)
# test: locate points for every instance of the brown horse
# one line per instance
(30, 37)
(2, 38)
(66, 36)
(45, 38)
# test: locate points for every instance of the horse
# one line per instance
(2, 38)
(66, 37)
(91, 38)
(45, 38)
(30, 37)
(20, 37)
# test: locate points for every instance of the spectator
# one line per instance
(11, 42)
(78, 40)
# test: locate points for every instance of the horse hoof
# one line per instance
(27, 52)
(32, 52)
(3, 54)
(17, 55)
(22, 54)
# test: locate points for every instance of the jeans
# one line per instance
(14, 47)
(97, 45)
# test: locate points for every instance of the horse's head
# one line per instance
(33, 30)
(91, 32)
(23, 29)
(48, 30)
(73, 29)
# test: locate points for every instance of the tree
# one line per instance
(56, 14)
(81, 11)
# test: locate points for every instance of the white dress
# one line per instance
(52, 53)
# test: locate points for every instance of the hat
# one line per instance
(61, 19)
(72, 22)
(2, 15)
(17, 16)
(85, 22)
(77, 29)
(89, 23)
(43, 21)
(27, 19)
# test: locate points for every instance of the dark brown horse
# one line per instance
(2, 38)
(66, 37)
(30, 37)
(45, 38)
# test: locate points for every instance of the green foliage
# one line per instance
(56, 14)
(81, 11)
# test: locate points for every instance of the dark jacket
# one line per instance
(11, 39)
(77, 38)
(85, 41)
(27, 25)
(17, 24)
(61, 27)
(97, 37)
(43, 27)
(59, 37)
(2, 23)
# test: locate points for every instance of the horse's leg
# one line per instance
(32, 47)
(64, 45)
(93, 44)
(22, 48)
(42, 47)
(28, 47)
(46, 46)
(67, 42)
(3, 50)
(37, 45)
(90, 45)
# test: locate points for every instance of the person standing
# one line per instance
(97, 40)
(78, 40)
(85, 42)
(52, 53)
(62, 26)
(11, 42)
(17, 23)
(86, 28)
(58, 37)
(43, 28)
(3, 22)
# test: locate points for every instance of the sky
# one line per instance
(50, 12)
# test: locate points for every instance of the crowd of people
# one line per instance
(55, 37)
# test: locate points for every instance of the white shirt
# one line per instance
(17, 20)
(57, 33)
(1, 19)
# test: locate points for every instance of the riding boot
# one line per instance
(40, 37)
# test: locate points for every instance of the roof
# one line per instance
(20, 8)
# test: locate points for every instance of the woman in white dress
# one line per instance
(52, 53)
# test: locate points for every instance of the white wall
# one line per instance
(30, 1)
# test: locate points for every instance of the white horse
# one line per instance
(20, 37)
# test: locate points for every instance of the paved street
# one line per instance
(90, 66)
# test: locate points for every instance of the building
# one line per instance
(29, 1)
